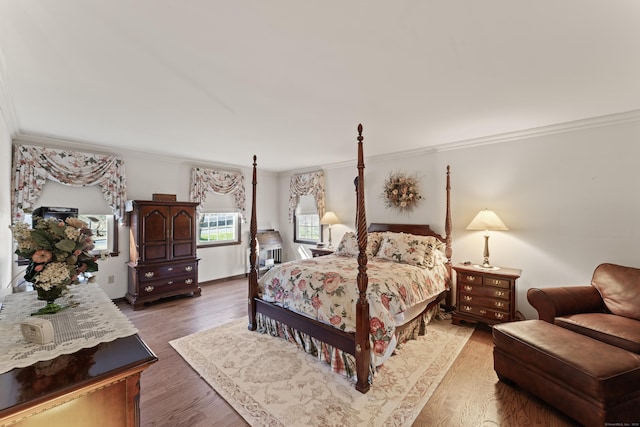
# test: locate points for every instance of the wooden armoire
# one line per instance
(163, 262)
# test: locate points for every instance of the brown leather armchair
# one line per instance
(556, 302)
(608, 310)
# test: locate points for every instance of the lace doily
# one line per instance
(91, 318)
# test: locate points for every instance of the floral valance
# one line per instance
(33, 165)
(220, 182)
(303, 184)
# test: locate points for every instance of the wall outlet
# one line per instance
(110, 279)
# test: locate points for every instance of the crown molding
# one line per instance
(589, 123)
(83, 146)
(572, 126)
(593, 122)
(7, 109)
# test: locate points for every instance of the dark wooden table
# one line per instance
(97, 386)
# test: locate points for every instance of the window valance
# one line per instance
(303, 184)
(33, 165)
(220, 182)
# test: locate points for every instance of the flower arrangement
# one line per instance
(401, 192)
(58, 251)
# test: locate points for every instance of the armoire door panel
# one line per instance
(182, 226)
(154, 225)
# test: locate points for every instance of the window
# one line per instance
(307, 228)
(306, 222)
(218, 228)
(104, 233)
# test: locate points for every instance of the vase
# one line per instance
(50, 297)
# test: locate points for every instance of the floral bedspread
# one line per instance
(325, 289)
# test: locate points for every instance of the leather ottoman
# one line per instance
(590, 381)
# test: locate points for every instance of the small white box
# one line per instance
(37, 330)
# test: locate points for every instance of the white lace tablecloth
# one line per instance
(90, 319)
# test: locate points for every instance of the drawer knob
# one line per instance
(148, 274)
(499, 315)
(188, 268)
(468, 288)
(471, 278)
(496, 281)
(466, 308)
(170, 268)
(188, 281)
(170, 282)
(467, 298)
(498, 304)
(148, 288)
(500, 293)
(483, 311)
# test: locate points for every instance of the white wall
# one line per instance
(148, 174)
(6, 239)
(570, 199)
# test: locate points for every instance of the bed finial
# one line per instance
(447, 241)
(362, 305)
(253, 269)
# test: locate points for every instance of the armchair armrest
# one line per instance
(555, 302)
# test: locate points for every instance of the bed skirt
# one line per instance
(341, 362)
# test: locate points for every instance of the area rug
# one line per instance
(269, 382)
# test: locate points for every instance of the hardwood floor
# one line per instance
(174, 395)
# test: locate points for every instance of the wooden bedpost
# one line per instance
(363, 357)
(253, 271)
(448, 250)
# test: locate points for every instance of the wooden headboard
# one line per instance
(425, 230)
(417, 229)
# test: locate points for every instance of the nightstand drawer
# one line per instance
(495, 304)
(486, 291)
(498, 282)
(474, 279)
(486, 313)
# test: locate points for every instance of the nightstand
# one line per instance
(487, 296)
(320, 251)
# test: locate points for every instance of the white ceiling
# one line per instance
(289, 80)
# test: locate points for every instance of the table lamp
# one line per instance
(487, 220)
(329, 218)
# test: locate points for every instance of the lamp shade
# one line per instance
(487, 220)
(329, 218)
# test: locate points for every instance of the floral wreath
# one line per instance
(401, 192)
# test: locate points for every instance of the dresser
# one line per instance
(487, 296)
(163, 262)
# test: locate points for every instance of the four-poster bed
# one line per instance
(414, 253)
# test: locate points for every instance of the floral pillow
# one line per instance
(403, 248)
(374, 240)
(433, 246)
(349, 244)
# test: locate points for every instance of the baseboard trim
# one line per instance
(223, 279)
